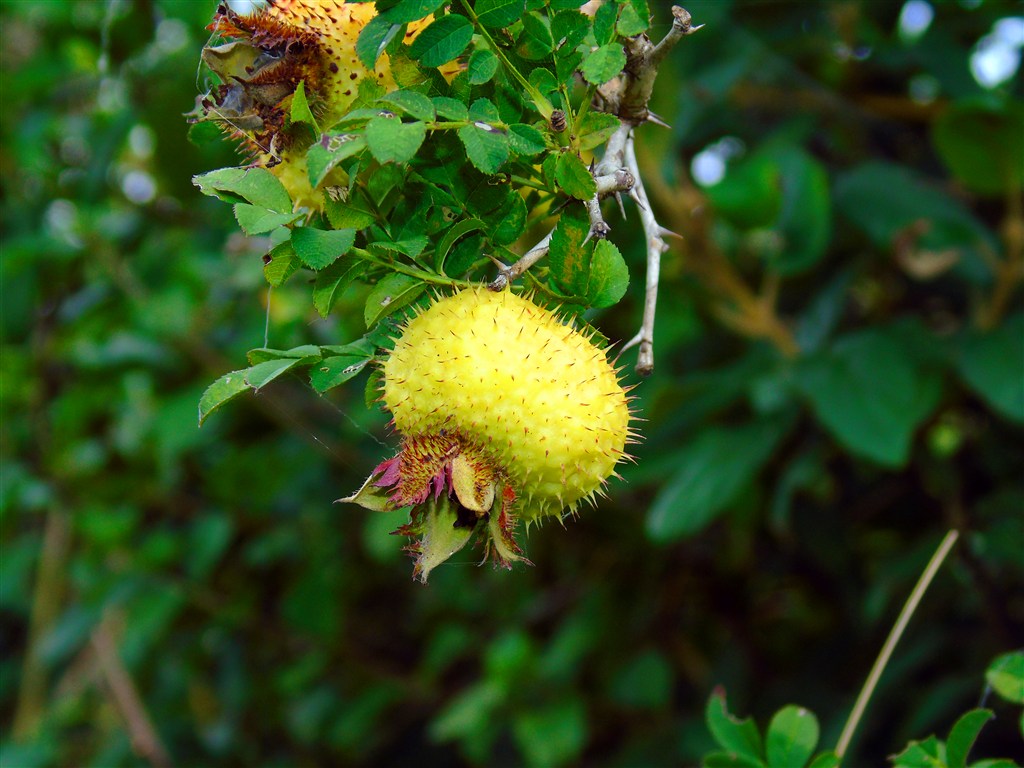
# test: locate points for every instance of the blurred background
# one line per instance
(839, 381)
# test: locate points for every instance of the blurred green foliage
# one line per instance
(840, 380)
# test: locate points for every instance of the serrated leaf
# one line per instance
(633, 18)
(574, 178)
(569, 28)
(508, 221)
(284, 263)
(392, 141)
(323, 156)
(525, 140)
(307, 353)
(257, 186)
(604, 63)
(568, 255)
(604, 23)
(354, 213)
(332, 282)
(535, 42)
(595, 129)
(412, 10)
(608, 278)
(486, 146)
(445, 39)
(791, 738)
(392, 293)
(963, 735)
(341, 366)
(450, 109)
(410, 246)
(739, 737)
(300, 111)
(930, 753)
(412, 103)
(226, 388)
(497, 14)
(374, 39)
(230, 385)
(482, 66)
(460, 229)
(318, 248)
(258, 221)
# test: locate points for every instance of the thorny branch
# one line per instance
(626, 97)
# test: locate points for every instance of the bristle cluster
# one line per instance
(530, 392)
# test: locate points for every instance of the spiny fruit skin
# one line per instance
(509, 378)
(273, 50)
(506, 414)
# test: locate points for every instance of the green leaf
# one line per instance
(568, 254)
(283, 264)
(982, 144)
(730, 760)
(486, 146)
(337, 368)
(535, 41)
(826, 760)
(307, 353)
(355, 213)
(450, 109)
(608, 278)
(442, 41)
(791, 738)
(482, 66)
(392, 141)
(300, 111)
(410, 246)
(750, 195)
(497, 14)
(595, 129)
(254, 185)
(963, 735)
(604, 22)
(574, 178)
(991, 364)
(374, 39)
(604, 63)
(867, 391)
(569, 28)
(739, 737)
(1006, 676)
(805, 219)
(323, 156)
(633, 18)
(525, 140)
(257, 221)
(412, 103)
(318, 248)
(552, 734)
(930, 753)
(459, 230)
(412, 10)
(507, 223)
(715, 468)
(230, 385)
(392, 293)
(332, 281)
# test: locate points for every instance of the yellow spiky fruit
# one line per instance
(503, 408)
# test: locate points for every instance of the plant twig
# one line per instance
(144, 738)
(508, 275)
(894, 637)
(656, 245)
(46, 602)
